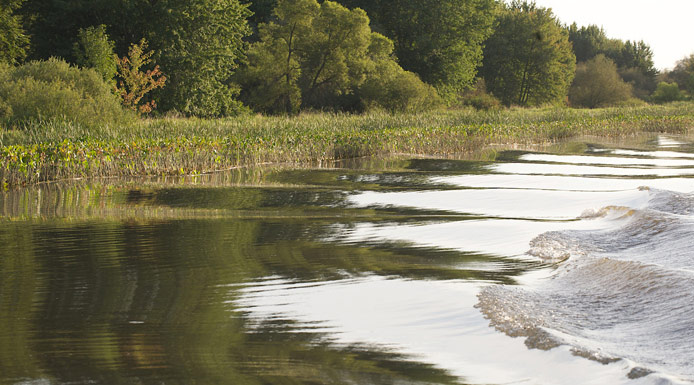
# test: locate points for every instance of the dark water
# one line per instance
(571, 265)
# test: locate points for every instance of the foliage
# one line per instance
(51, 150)
(529, 59)
(683, 74)
(588, 41)
(440, 40)
(94, 50)
(199, 44)
(666, 93)
(135, 83)
(634, 60)
(479, 98)
(13, 40)
(325, 57)
(597, 84)
(53, 90)
(396, 90)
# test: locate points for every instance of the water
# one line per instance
(571, 265)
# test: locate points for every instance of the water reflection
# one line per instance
(366, 271)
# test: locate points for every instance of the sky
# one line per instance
(667, 26)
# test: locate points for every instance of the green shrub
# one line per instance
(479, 98)
(53, 90)
(597, 84)
(667, 92)
(396, 90)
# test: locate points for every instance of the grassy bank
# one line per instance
(57, 150)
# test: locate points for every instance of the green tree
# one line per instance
(597, 84)
(683, 74)
(667, 92)
(319, 56)
(13, 40)
(199, 44)
(440, 40)
(93, 49)
(529, 59)
(588, 41)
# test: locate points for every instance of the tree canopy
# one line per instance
(13, 40)
(440, 40)
(529, 59)
(319, 56)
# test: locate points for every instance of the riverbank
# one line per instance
(175, 146)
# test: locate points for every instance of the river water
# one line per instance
(570, 265)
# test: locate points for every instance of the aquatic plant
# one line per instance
(51, 150)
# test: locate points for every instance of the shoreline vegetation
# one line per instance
(56, 150)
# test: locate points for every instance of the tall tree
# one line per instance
(319, 56)
(440, 40)
(13, 40)
(588, 41)
(529, 59)
(683, 74)
(199, 44)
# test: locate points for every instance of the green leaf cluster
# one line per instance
(598, 84)
(13, 40)
(199, 44)
(440, 40)
(325, 56)
(54, 90)
(529, 59)
(93, 49)
(667, 92)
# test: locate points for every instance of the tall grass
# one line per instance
(57, 149)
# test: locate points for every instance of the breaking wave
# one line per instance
(624, 293)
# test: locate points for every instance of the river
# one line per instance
(570, 264)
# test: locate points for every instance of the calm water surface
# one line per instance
(574, 265)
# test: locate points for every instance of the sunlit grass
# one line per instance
(166, 146)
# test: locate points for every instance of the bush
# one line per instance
(479, 98)
(396, 90)
(667, 92)
(53, 90)
(597, 84)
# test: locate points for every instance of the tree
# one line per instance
(13, 40)
(440, 40)
(683, 74)
(93, 49)
(597, 84)
(199, 44)
(270, 81)
(320, 56)
(529, 59)
(588, 41)
(134, 82)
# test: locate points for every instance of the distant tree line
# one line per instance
(214, 58)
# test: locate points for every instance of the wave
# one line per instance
(623, 293)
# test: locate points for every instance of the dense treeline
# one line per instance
(215, 58)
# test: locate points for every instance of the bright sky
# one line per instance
(666, 25)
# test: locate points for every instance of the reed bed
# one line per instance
(53, 150)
